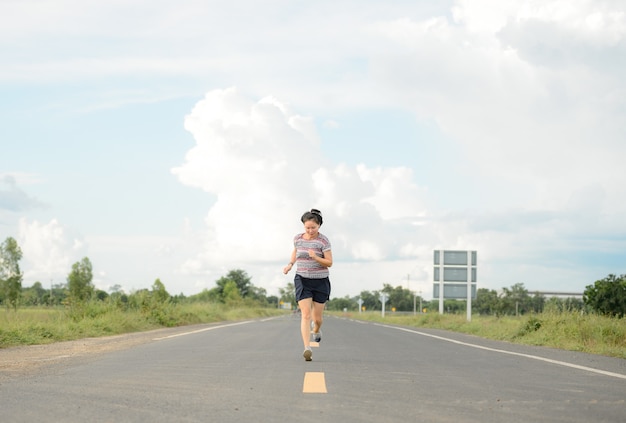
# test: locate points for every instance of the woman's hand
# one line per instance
(325, 260)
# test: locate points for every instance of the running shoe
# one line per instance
(308, 355)
(317, 336)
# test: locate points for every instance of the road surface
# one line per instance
(361, 372)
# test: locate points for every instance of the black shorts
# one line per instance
(317, 289)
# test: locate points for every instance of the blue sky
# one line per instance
(180, 141)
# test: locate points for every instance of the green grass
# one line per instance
(563, 330)
(31, 326)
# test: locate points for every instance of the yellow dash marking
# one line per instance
(314, 344)
(314, 383)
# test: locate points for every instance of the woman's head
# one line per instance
(313, 215)
(312, 221)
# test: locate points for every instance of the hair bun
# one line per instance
(314, 214)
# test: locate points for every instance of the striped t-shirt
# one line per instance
(307, 267)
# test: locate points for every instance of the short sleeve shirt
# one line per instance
(307, 267)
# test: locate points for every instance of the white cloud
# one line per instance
(135, 262)
(542, 128)
(49, 250)
(529, 96)
(263, 163)
(257, 159)
(396, 195)
(264, 171)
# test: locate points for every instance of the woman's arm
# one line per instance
(326, 260)
(287, 268)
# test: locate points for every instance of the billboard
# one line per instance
(451, 271)
(454, 291)
(454, 274)
(454, 258)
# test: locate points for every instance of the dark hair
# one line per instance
(314, 214)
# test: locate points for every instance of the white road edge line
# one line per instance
(202, 330)
(534, 357)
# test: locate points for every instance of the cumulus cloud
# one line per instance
(528, 97)
(493, 81)
(263, 163)
(538, 123)
(49, 250)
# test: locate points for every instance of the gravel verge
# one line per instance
(20, 361)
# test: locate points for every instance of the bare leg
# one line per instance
(318, 310)
(305, 322)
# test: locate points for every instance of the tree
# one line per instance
(101, 295)
(206, 296)
(258, 294)
(230, 294)
(10, 273)
(572, 304)
(241, 280)
(79, 282)
(537, 303)
(272, 300)
(58, 294)
(370, 300)
(607, 296)
(515, 300)
(35, 295)
(559, 305)
(455, 306)
(339, 304)
(486, 301)
(159, 293)
(288, 295)
(398, 297)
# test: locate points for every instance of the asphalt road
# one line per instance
(361, 372)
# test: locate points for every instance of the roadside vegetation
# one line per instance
(44, 325)
(567, 330)
(595, 323)
(76, 309)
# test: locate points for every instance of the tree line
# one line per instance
(235, 289)
(606, 296)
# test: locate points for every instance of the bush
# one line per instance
(533, 324)
(607, 296)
